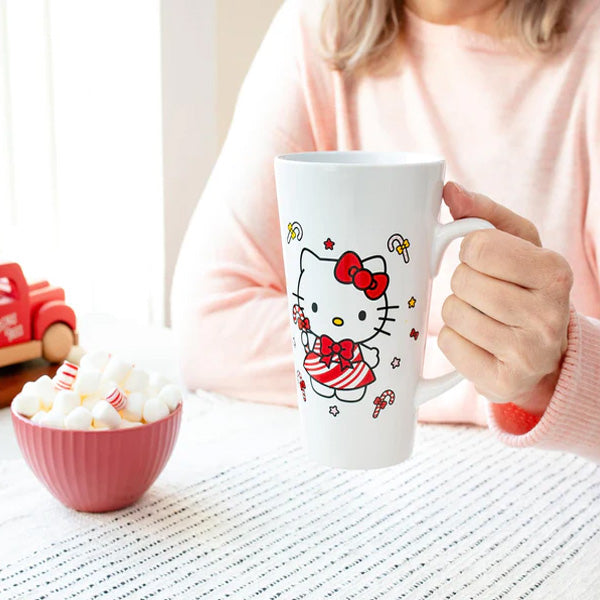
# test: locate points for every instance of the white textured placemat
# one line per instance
(464, 518)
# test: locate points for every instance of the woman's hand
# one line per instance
(506, 321)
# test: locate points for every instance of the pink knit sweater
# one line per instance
(522, 129)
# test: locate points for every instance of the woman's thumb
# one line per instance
(463, 203)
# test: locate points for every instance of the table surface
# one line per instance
(240, 511)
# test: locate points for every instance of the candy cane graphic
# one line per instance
(299, 318)
(397, 243)
(387, 397)
(302, 385)
(297, 313)
(302, 321)
(294, 231)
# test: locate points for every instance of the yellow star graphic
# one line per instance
(412, 302)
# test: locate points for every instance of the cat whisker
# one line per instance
(385, 319)
(298, 296)
(388, 307)
(379, 330)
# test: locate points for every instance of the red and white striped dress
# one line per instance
(357, 375)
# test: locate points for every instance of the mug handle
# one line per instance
(442, 236)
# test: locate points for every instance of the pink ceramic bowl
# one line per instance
(97, 471)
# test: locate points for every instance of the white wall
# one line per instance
(189, 105)
(241, 25)
(81, 190)
(207, 47)
(111, 117)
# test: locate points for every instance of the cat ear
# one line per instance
(375, 264)
(307, 257)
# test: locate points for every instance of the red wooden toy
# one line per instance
(34, 319)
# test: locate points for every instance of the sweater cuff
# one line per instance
(571, 422)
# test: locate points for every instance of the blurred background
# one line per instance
(112, 114)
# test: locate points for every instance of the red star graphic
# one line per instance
(329, 244)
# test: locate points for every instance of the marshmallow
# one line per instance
(116, 370)
(154, 410)
(106, 416)
(171, 396)
(90, 401)
(80, 418)
(45, 388)
(65, 402)
(106, 387)
(26, 404)
(30, 389)
(157, 382)
(95, 360)
(116, 398)
(135, 406)
(87, 382)
(37, 418)
(53, 419)
(42, 388)
(137, 381)
(125, 424)
(65, 376)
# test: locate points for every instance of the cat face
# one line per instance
(339, 310)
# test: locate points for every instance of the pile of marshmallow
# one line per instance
(103, 392)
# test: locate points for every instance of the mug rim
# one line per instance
(362, 158)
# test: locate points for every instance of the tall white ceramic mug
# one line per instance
(361, 244)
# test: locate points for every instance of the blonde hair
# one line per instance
(356, 33)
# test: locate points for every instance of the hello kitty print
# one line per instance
(341, 357)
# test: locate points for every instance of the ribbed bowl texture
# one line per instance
(97, 471)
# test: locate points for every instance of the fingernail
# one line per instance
(462, 189)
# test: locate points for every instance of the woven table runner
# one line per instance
(464, 518)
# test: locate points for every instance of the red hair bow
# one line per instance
(349, 269)
(344, 351)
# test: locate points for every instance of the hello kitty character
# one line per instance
(345, 303)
